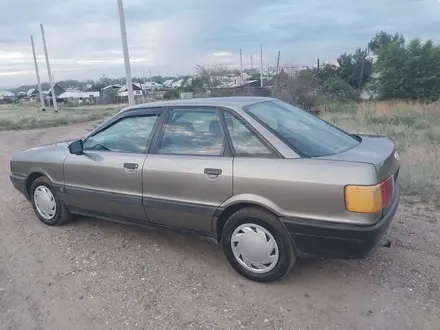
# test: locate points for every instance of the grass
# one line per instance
(28, 116)
(414, 127)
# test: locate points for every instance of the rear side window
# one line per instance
(193, 132)
(244, 142)
(302, 131)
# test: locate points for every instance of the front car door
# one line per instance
(107, 178)
(188, 172)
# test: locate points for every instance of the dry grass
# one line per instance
(414, 127)
(28, 116)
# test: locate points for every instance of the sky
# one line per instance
(171, 37)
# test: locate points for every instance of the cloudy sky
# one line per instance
(170, 37)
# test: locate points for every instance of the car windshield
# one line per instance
(302, 131)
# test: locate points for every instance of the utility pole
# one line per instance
(318, 63)
(261, 63)
(251, 62)
(278, 62)
(241, 65)
(38, 75)
(125, 51)
(145, 84)
(276, 73)
(54, 99)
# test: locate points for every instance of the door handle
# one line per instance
(131, 166)
(213, 171)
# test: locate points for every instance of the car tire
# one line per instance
(48, 207)
(256, 233)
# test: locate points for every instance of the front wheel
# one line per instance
(47, 206)
(257, 245)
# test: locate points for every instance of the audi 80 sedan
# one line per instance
(268, 181)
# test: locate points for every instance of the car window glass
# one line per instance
(131, 134)
(301, 130)
(193, 132)
(243, 140)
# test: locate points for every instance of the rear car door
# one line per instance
(107, 178)
(188, 172)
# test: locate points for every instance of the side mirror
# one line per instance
(76, 147)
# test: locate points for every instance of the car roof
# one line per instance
(233, 101)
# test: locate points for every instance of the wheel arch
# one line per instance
(34, 174)
(237, 203)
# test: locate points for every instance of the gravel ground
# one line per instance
(92, 274)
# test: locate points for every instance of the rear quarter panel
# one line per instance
(302, 188)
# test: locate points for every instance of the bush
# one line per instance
(338, 89)
(171, 95)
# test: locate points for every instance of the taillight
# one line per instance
(369, 199)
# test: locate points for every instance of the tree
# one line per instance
(300, 88)
(336, 88)
(383, 39)
(355, 69)
(340, 82)
(211, 76)
(409, 71)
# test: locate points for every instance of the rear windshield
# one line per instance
(303, 132)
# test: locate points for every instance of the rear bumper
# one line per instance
(322, 239)
(19, 183)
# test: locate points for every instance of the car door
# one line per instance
(188, 172)
(107, 178)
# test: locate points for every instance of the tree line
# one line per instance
(388, 68)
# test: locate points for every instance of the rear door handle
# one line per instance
(213, 171)
(131, 166)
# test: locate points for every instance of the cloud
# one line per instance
(171, 37)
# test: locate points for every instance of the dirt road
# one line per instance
(97, 275)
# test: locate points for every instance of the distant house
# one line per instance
(235, 86)
(173, 83)
(32, 93)
(137, 90)
(150, 86)
(88, 87)
(78, 96)
(57, 89)
(109, 94)
(168, 83)
(177, 84)
(6, 96)
(47, 95)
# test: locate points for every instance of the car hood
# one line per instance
(376, 150)
(54, 152)
(51, 146)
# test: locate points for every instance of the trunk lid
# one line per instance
(376, 150)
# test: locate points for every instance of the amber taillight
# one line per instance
(369, 199)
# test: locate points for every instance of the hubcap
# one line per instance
(255, 248)
(45, 202)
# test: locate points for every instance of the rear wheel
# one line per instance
(47, 206)
(257, 245)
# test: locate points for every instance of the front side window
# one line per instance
(193, 132)
(244, 142)
(302, 131)
(130, 134)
